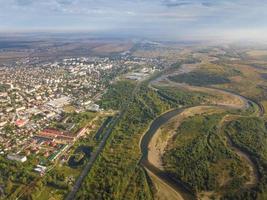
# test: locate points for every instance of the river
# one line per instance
(183, 189)
(177, 185)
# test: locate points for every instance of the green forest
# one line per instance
(200, 78)
(249, 134)
(201, 159)
(116, 174)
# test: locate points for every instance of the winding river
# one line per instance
(183, 189)
(180, 187)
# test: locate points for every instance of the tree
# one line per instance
(9, 186)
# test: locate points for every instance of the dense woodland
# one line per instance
(180, 97)
(200, 78)
(116, 174)
(200, 158)
(10, 177)
(249, 134)
(117, 94)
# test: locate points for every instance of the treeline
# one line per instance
(179, 97)
(198, 156)
(200, 78)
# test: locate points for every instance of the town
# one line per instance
(35, 100)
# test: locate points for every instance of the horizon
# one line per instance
(172, 20)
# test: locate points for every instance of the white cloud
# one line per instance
(174, 17)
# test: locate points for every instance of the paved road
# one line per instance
(100, 147)
(178, 186)
(101, 129)
(92, 159)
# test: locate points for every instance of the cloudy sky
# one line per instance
(169, 19)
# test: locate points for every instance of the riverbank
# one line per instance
(157, 138)
(162, 136)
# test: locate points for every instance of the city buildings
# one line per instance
(34, 96)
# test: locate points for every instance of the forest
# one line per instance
(249, 134)
(116, 174)
(199, 157)
(200, 78)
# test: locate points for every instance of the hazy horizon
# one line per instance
(158, 19)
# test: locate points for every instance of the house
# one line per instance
(20, 123)
(18, 158)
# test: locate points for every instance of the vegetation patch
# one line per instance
(116, 175)
(80, 155)
(249, 134)
(4, 87)
(180, 97)
(117, 94)
(199, 157)
(200, 78)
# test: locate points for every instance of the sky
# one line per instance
(166, 19)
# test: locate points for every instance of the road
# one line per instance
(92, 159)
(102, 128)
(100, 147)
(180, 187)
